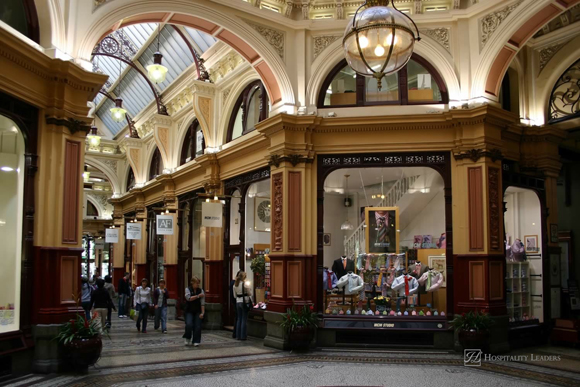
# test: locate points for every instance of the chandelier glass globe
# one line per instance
(157, 72)
(379, 40)
(118, 113)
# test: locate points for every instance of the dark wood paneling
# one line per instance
(277, 211)
(70, 210)
(494, 205)
(294, 210)
(475, 195)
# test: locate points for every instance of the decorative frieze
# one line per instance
(111, 164)
(225, 65)
(294, 159)
(275, 38)
(440, 35)
(547, 53)
(321, 42)
(475, 154)
(490, 22)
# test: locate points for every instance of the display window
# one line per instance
(11, 202)
(384, 243)
(524, 256)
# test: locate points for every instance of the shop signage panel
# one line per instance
(385, 324)
(134, 230)
(211, 214)
(164, 224)
(112, 235)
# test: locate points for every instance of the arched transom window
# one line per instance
(250, 108)
(193, 144)
(417, 83)
(565, 97)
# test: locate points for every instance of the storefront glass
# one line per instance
(384, 243)
(11, 199)
(523, 240)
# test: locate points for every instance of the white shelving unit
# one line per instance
(518, 298)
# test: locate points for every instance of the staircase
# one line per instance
(355, 244)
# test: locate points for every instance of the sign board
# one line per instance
(112, 235)
(164, 224)
(134, 230)
(99, 244)
(573, 292)
(211, 214)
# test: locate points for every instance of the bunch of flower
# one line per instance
(303, 317)
(380, 300)
(78, 328)
(477, 321)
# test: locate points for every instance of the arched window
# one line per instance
(565, 97)
(21, 15)
(250, 108)
(91, 209)
(509, 94)
(417, 83)
(156, 167)
(130, 180)
(193, 144)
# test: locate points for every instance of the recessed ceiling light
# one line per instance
(7, 169)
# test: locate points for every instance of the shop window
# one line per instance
(91, 209)
(524, 253)
(391, 234)
(156, 167)
(250, 108)
(416, 83)
(193, 144)
(11, 226)
(130, 180)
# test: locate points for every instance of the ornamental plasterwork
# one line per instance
(547, 53)
(490, 22)
(321, 42)
(226, 93)
(111, 164)
(181, 100)
(225, 65)
(440, 35)
(98, 3)
(274, 37)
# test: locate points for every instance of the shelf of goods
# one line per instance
(518, 299)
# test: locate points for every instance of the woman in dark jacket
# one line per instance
(194, 311)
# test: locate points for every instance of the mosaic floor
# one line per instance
(154, 359)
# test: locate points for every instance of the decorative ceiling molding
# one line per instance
(225, 65)
(547, 53)
(98, 3)
(320, 43)
(489, 23)
(275, 38)
(440, 35)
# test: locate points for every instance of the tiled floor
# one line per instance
(130, 358)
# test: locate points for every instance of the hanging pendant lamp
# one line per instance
(118, 113)
(94, 138)
(157, 72)
(347, 225)
(380, 40)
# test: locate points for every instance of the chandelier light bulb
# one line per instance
(94, 138)
(379, 50)
(157, 72)
(363, 42)
(118, 113)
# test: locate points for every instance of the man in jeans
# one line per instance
(124, 292)
(160, 301)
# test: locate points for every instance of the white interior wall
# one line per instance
(430, 221)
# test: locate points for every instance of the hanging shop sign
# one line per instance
(134, 230)
(211, 214)
(112, 235)
(164, 224)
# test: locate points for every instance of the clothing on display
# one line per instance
(432, 280)
(406, 285)
(329, 279)
(342, 265)
(352, 283)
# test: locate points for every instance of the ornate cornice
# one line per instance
(70, 123)
(321, 42)
(294, 159)
(475, 154)
(225, 65)
(547, 53)
(490, 22)
(440, 35)
(275, 38)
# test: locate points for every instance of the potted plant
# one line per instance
(472, 329)
(258, 267)
(300, 326)
(81, 341)
(382, 303)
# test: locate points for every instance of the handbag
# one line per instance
(247, 305)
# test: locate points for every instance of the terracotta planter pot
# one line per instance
(301, 337)
(83, 352)
(473, 339)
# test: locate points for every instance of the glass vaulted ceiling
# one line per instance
(139, 45)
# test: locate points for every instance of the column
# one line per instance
(139, 246)
(118, 250)
(170, 242)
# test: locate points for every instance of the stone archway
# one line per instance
(229, 29)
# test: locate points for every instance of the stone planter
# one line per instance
(473, 339)
(83, 353)
(301, 337)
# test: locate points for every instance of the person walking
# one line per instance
(194, 312)
(101, 302)
(243, 293)
(86, 291)
(124, 292)
(141, 303)
(160, 301)
(111, 289)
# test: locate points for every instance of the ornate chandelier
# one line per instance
(118, 113)
(380, 40)
(157, 72)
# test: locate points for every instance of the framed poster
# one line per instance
(437, 262)
(381, 231)
(531, 244)
(326, 238)
(262, 212)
